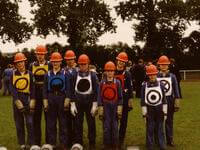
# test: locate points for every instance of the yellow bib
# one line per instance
(22, 82)
(39, 70)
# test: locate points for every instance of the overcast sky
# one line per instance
(124, 32)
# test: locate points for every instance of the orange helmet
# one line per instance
(151, 70)
(110, 66)
(40, 49)
(69, 54)
(163, 60)
(56, 56)
(122, 57)
(19, 57)
(83, 59)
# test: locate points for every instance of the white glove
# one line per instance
(165, 117)
(73, 109)
(144, 111)
(94, 109)
(165, 109)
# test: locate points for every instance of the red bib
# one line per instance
(109, 91)
(121, 78)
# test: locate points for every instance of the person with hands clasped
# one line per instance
(84, 100)
(110, 101)
(172, 96)
(124, 76)
(23, 93)
(56, 101)
(154, 108)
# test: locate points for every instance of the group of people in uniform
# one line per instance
(71, 93)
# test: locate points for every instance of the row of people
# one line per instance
(66, 94)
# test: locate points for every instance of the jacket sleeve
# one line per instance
(95, 86)
(164, 100)
(175, 86)
(13, 89)
(67, 83)
(119, 92)
(143, 94)
(72, 86)
(129, 84)
(99, 98)
(32, 86)
(45, 87)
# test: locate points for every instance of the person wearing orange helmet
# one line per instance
(56, 100)
(125, 78)
(23, 92)
(84, 100)
(172, 95)
(154, 108)
(39, 68)
(110, 103)
(70, 68)
(70, 58)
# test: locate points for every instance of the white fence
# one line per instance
(190, 74)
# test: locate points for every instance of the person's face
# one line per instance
(110, 73)
(56, 64)
(70, 62)
(152, 78)
(164, 67)
(120, 64)
(40, 57)
(20, 65)
(83, 67)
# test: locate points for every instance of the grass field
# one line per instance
(186, 128)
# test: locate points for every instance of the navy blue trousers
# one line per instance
(155, 118)
(84, 106)
(56, 112)
(22, 119)
(170, 120)
(110, 124)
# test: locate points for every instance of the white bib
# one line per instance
(167, 82)
(83, 84)
(153, 95)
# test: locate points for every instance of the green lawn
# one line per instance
(186, 129)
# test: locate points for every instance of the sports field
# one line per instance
(187, 123)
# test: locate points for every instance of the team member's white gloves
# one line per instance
(165, 111)
(177, 105)
(94, 109)
(66, 104)
(45, 104)
(19, 105)
(32, 105)
(73, 109)
(144, 113)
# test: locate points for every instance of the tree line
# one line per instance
(159, 24)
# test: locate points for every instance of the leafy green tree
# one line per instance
(82, 21)
(12, 25)
(158, 23)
